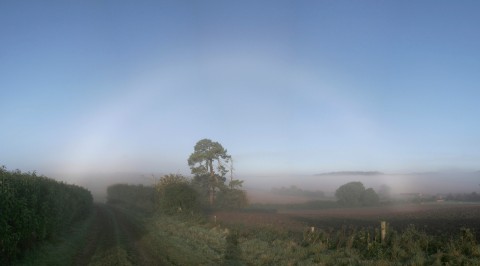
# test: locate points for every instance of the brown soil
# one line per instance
(433, 218)
(267, 197)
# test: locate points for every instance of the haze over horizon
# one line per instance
(287, 87)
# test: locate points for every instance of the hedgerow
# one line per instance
(139, 197)
(33, 208)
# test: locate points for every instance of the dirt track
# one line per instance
(114, 238)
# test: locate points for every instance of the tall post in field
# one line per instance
(383, 227)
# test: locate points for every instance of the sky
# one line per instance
(287, 87)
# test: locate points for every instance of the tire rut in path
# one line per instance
(113, 230)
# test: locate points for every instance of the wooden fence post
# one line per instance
(383, 226)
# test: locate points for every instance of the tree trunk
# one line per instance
(212, 190)
(213, 184)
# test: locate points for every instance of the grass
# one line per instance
(115, 256)
(186, 242)
(62, 249)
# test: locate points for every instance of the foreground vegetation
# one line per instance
(188, 238)
(188, 242)
(34, 208)
(62, 249)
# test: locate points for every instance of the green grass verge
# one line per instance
(183, 242)
(62, 249)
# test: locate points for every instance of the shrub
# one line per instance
(178, 198)
(175, 194)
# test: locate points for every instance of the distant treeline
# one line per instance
(34, 208)
(352, 173)
(295, 191)
(174, 194)
(474, 197)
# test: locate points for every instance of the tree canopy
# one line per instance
(209, 163)
(355, 194)
(209, 157)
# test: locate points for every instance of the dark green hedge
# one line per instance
(33, 208)
(139, 197)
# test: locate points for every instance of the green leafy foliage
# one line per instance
(369, 197)
(33, 208)
(134, 196)
(355, 194)
(170, 179)
(208, 154)
(177, 195)
(179, 198)
(350, 193)
(208, 165)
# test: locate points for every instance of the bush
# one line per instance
(178, 198)
(176, 195)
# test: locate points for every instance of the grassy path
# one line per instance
(109, 236)
(114, 238)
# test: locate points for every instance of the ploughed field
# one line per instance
(433, 218)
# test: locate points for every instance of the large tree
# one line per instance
(208, 164)
(355, 194)
(350, 193)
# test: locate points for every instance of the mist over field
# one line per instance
(430, 183)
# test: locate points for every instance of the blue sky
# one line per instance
(286, 86)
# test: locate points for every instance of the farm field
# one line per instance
(423, 234)
(433, 218)
(267, 197)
